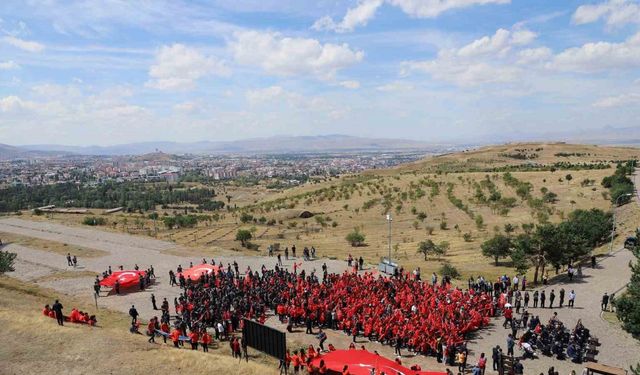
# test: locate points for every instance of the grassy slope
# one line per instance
(35, 344)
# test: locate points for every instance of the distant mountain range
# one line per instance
(283, 144)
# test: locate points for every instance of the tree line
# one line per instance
(133, 196)
(551, 244)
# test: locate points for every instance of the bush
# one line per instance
(6, 261)
(356, 238)
(94, 221)
(448, 269)
(443, 225)
(467, 237)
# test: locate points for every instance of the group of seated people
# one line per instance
(76, 316)
(554, 339)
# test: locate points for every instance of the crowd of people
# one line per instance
(399, 311)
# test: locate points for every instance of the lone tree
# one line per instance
(497, 247)
(356, 238)
(244, 236)
(428, 247)
(6, 261)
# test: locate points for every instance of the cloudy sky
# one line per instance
(117, 71)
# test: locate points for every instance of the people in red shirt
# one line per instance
(206, 340)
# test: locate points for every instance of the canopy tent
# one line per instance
(125, 278)
(361, 362)
(195, 272)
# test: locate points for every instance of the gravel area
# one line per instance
(618, 348)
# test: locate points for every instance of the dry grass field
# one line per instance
(36, 344)
(461, 199)
(52, 246)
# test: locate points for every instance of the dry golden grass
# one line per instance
(52, 246)
(63, 275)
(36, 344)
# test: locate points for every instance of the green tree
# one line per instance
(6, 261)
(246, 218)
(356, 238)
(520, 261)
(628, 305)
(497, 247)
(244, 236)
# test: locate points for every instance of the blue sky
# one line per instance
(119, 71)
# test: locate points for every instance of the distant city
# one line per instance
(289, 169)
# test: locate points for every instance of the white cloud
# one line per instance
(616, 13)
(14, 103)
(433, 8)
(257, 96)
(350, 84)
(396, 86)
(534, 55)
(618, 101)
(600, 56)
(22, 44)
(485, 60)
(366, 11)
(180, 67)
(6, 65)
(290, 56)
(500, 43)
(358, 16)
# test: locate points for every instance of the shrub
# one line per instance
(356, 238)
(448, 269)
(244, 236)
(6, 261)
(94, 221)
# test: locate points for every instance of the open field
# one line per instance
(52, 246)
(461, 199)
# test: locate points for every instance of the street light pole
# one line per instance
(389, 221)
(613, 229)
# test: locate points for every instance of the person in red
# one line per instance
(235, 348)
(295, 361)
(193, 336)
(164, 327)
(206, 340)
(151, 330)
(482, 363)
(46, 310)
(345, 370)
(175, 337)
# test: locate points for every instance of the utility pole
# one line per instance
(613, 229)
(389, 219)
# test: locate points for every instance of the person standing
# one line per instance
(116, 286)
(57, 308)
(133, 313)
(69, 261)
(510, 345)
(536, 297)
(322, 337)
(605, 302)
(561, 297)
(552, 297)
(526, 300)
(495, 360)
(543, 298)
(153, 301)
(74, 260)
(572, 298)
(206, 340)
